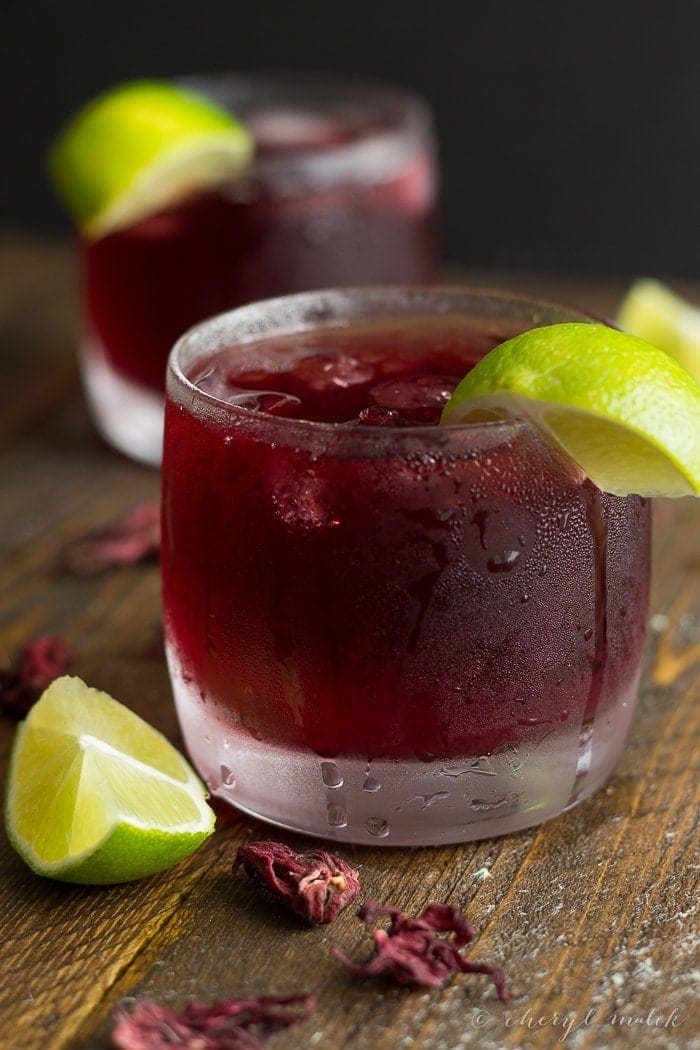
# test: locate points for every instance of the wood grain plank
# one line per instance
(592, 912)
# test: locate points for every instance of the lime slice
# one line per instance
(654, 312)
(96, 795)
(626, 412)
(139, 147)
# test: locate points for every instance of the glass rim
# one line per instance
(409, 124)
(331, 308)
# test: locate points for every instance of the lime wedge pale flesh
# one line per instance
(654, 312)
(140, 147)
(96, 795)
(626, 412)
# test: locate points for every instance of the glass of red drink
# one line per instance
(342, 191)
(380, 629)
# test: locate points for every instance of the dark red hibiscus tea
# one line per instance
(342, 191)
(378, 627)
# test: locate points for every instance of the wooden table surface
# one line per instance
(591, 916)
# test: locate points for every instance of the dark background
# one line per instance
(570, 131)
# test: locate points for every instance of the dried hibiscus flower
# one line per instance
(36, 665)
(132, 538)
(316, 885)
(411, 952)
(233, 1024)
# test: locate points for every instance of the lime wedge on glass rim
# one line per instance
(626, 412)
(139, 147)
(654, 312)
(96, 795)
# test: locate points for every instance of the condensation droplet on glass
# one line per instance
(228, 777)
(456, 770)
(330, 775)
(483, 764)
(515, 760)
(503, 562)
(425, 800)
(378, 827)
(337, 815)
(481, 804)
(370, 784)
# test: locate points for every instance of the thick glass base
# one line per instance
(401, 802)
(128, 415)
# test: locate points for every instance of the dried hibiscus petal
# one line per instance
(36, 665)
(132, 538)
(411, 952)
(316, 885)
(233, 1024)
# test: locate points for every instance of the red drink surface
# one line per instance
(258, 237)
(382, 591)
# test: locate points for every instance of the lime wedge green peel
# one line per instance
(625, 411)
(96, 795)
(138, 148)
(654, 312)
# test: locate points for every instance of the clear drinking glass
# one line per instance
(342, 191)
(380, 632)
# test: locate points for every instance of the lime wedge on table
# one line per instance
(654, 312)
(625, 411)
(139, 147)
(96, 795)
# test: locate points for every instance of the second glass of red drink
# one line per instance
(342, 191)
